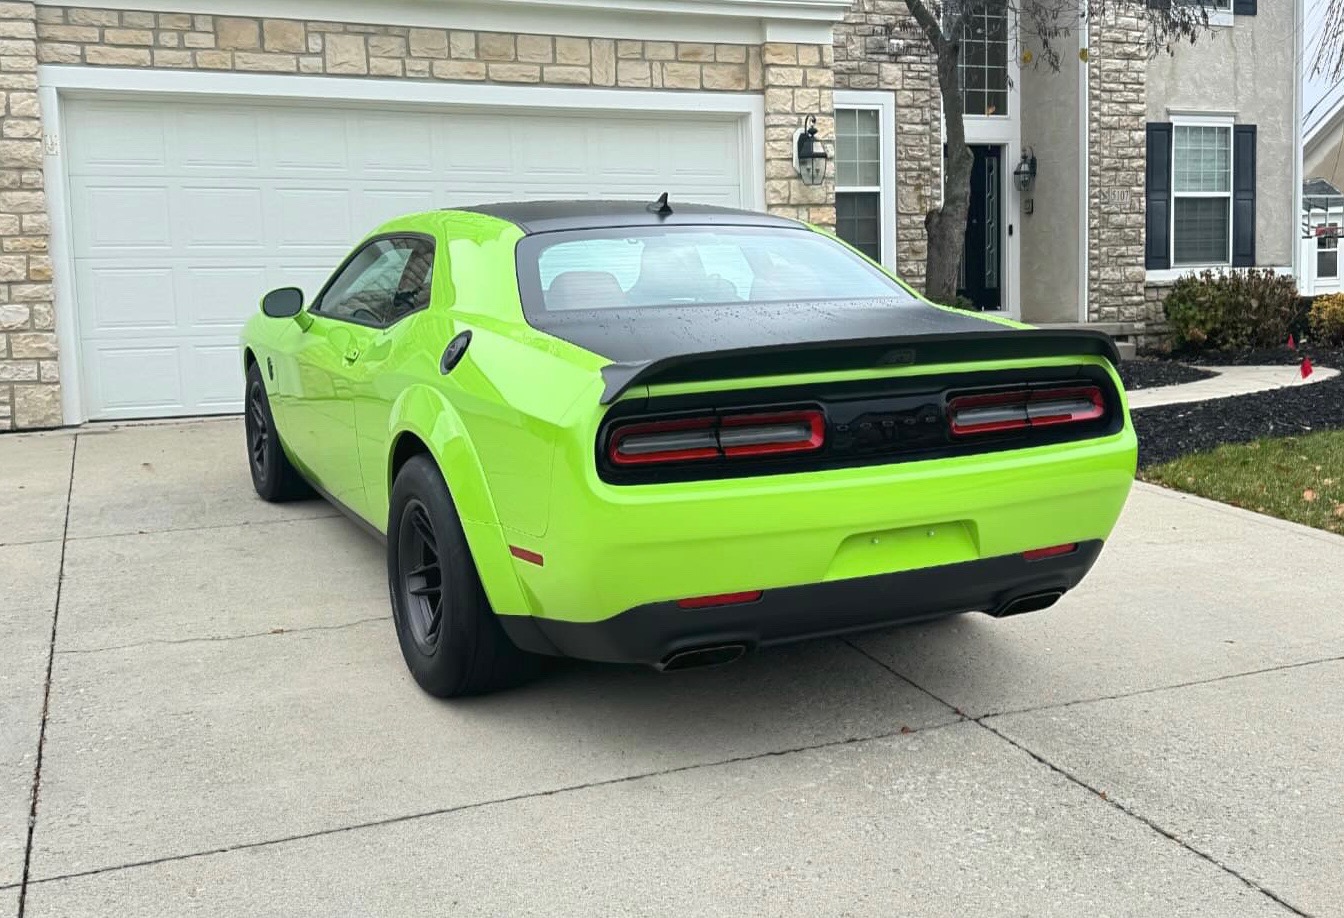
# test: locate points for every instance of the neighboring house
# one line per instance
(164, 162)
(1323, 164)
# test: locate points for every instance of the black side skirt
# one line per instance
(651, 634)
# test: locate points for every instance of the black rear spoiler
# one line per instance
(858, 354)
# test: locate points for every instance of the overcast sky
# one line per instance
(1320, 94)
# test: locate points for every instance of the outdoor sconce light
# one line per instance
(1025, 173)
(809, 154)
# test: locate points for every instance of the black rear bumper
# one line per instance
(655, 632)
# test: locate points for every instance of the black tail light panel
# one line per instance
(868, 422)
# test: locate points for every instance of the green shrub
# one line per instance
(1232, 310)
(1327, 319)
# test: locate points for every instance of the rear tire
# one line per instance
(273, 476)
(449, 636)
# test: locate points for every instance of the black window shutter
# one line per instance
(1159, 4)
(1157, 233)
(1243, 7)
(1243, 196)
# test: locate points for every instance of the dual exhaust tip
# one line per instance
(722, 654)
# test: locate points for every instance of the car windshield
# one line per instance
(672, 266)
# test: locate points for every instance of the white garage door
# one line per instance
(185, 213)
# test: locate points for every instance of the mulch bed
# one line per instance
(1148, 373)
(1169, 431)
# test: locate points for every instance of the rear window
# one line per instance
(642, 267)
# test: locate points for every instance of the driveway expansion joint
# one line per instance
(1151, 824)
(220, 638)
(979, 721)
(903, 731)
(46, 692)
(245, 524)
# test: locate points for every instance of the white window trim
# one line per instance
(884, 103)
(57, 83)
(1222, 19)
(1221, 121)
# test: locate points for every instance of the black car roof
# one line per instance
(549, 216)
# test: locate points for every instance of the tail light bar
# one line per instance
(995, 412)
(727, 436)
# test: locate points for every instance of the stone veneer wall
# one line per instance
(879, 46)
(796, 81)
(29, 383)
(1117, 106)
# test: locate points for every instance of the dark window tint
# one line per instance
(625, 268)
(859, 222)
(384, 281)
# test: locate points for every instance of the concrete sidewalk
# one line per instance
(231, 730)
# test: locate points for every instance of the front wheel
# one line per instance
(273, 476)
(449, 636)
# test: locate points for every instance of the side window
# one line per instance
(413, 289)
(386, 280)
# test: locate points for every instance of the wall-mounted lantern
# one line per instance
(1025, 173)
(809, 153)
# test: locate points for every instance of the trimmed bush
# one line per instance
(1327, 319)
(1232, 310)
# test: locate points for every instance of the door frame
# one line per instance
(58, 83)
(1006, 131)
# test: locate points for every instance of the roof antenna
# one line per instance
(660, 206)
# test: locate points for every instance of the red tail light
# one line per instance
(993, 412)
(730, 436)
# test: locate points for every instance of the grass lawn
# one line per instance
(1294, 478)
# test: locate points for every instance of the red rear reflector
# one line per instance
(1054, 551)
(994, 412)
(722, 599)
(524, 555)
(731, 436)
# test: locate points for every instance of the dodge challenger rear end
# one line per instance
(785, 442)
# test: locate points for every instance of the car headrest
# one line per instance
(585, 290)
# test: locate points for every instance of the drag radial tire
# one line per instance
(272, 474)
(449, 635)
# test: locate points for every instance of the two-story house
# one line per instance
(164, 162)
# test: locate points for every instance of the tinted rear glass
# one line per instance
(693, 266)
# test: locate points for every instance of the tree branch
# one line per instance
(928, 22)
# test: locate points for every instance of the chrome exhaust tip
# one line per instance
(714, 655)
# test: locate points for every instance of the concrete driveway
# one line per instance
(207, 694)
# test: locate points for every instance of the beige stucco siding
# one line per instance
(1247, 71)
(1051, 234)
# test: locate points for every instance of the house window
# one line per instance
(984, 63)
(858, 179)
(1327, 250)
(1201, 184)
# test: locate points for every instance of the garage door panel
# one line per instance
(212, 219)
(121, 299)
(214, 141)
(310, 142)
(185, 213)
(133, 378)
(118, 138)
(309, 217)
(399, 145)
(216, 381)
(220, 298)
(121, 218)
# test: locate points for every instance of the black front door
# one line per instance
(982, 263)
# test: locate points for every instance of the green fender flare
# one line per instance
(424, 412)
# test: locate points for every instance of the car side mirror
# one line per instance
(283, 303)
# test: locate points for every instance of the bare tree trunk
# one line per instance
(946, 225)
